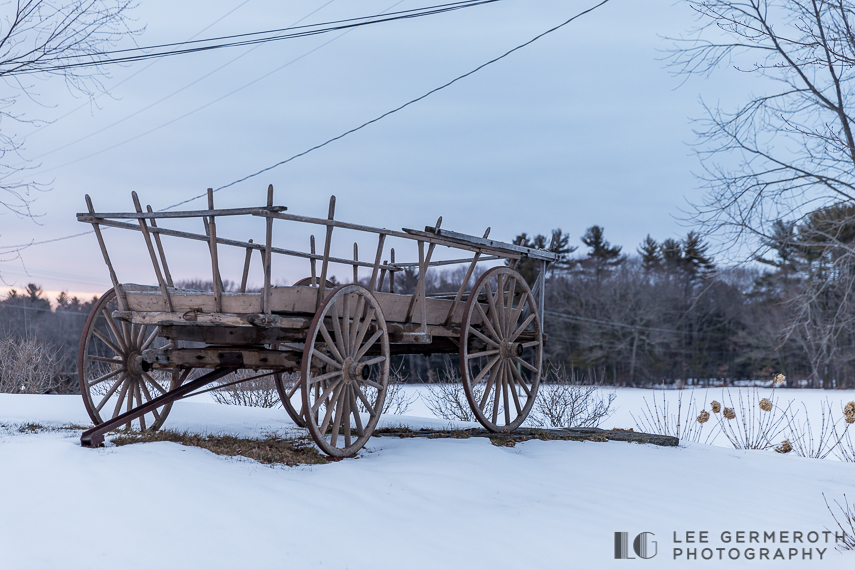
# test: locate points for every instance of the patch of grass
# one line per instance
(270, 450)
(30, 428)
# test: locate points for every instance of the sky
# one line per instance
(585, 126)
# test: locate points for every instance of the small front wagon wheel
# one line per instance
(111, 378)
(345, 370)
(501, 349)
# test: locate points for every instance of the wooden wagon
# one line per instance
(143, 347)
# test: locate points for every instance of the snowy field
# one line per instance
(406, 503)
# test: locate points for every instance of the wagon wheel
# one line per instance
(501, 350)
(111, 379)
(287, 390)
(345, 370)
(307, 282)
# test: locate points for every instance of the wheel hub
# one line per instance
(509, 350)
(352, 370)
(135, 364)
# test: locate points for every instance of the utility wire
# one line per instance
(303, 31)
(360, 127)
(131, 76)
(159, 101)
(396, 109)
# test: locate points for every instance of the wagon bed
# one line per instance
(145, 346)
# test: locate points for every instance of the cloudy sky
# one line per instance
(586, 126)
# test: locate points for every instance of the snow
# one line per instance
(404, 503)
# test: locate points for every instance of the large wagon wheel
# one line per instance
(287, 388)
(111, 379)
(501, 349)
(345, 370)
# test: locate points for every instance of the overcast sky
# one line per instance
(585, 126)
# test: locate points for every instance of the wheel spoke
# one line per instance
(513, 387)
(140, 402)
(521, 379)
(365, 401)
(110, 392)
(106, 376)
(368, 344)
(480, 354)
(492, 304)
(106, 359)
(345, 326)
(330, 344)
(154, 383)
(106, 340)
(354, 408)
(373, 384)
(486, 322)
(124, 391)
(500, 302)
(490, 383)
(338, 414)
(140, 336)
(505, 385)
(111, 324)
(486, 369)
(522, 327)
(149, 399)
(150, 338)
(508, 309)
(323, 397)
(499, 374)
(357, 324)
(337, 330)
(294, 389)
(324, 358)
(530, 344)
(366, 324)
(524, 363)
(323, 377)
(474, 331)
(375, 360)
(330, 406)
(346, 405)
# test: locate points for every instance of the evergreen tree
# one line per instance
(651, 255)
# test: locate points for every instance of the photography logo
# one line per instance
(642, 546)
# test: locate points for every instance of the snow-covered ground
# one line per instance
(404, 503)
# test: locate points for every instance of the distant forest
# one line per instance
(662, 314)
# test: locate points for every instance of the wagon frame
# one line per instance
(144, 343)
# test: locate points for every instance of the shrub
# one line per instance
(569, 399)
(26, 366)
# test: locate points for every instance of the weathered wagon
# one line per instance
(144, 347)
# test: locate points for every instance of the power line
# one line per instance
(399, 108)
(159, 101)
(360, 127)
(128, 78)
(43, 66)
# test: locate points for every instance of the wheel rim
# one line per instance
(501, 349)
(342, 368)
(287, 390)
(111, 380)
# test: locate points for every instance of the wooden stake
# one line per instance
(215, 262)
(325, 263)
(160, 250)
(312, 261)
(265, 300)
(463, 285)
(246, 263)
(120, 292)
(144, 229)
(373, 283)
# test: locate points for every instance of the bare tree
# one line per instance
(38, 39)
(792, 148)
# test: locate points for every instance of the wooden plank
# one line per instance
(499, 245)
(235, 243)
(288, 300)
(180, 214)
(160, 251)
(194, 318)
